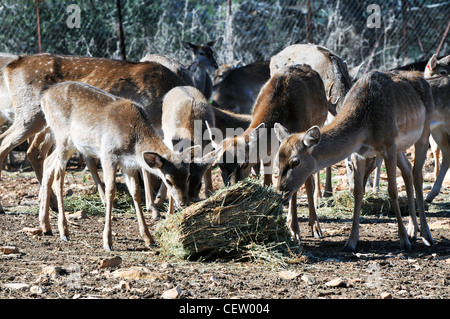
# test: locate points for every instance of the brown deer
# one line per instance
(203, 61)
(185, 114)
(145, 83)
(116, 131)
(294, 96)
(335, 76)
(437, 73)
(383, 114)
(239, 87)
(173, 65)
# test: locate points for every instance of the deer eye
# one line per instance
(443, 72)
(295, 162)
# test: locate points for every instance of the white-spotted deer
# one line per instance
(185, 114)
(294, 96)
(145, 83)
(383, 114)
(116, 131)
(437, 73)
(203, 61)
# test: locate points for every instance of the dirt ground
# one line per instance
(44, 267)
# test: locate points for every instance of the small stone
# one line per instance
(81, 214)
(37, 290)
(32, 231)
(6, 250)
(173, 293)
(110, 262)
(289, 274)
(53, 270)
(385, 295)
(308, 279)
(337, 282)
(137, 273)
(17, 286)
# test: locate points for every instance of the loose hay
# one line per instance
(229, 223)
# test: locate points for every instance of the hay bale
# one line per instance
(226, 224)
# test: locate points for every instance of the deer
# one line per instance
(185, 114)
(240, 86)
(335, 76)
(204, 60)
(116, 131)
(295, 96)
(145, 83)
(383, 114)
(173, 65)
(437, 74)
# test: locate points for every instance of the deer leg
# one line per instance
(59, 172)
(317, 192)
(149, 202)
(313, 220)
(132, 181)
(44, 194)
(436, 151)
(328, 183)
(91, 164)
(390, 160)
(406, 169)
(358, 164)
(267, 173)
(208, 181)
(292, 218)
(420, 154)
(171, 205)
(109, 173)
(443, 141)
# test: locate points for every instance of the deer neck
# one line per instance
(338, 141)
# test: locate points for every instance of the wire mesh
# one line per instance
(246, 31)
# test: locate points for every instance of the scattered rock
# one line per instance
(32, 231)
(17, 286)
(137, 273)
(53, 270)
(81, 214)
(289, 274)
(385, 295)
(6, 250)
(308, 279)
(173, 293)
(37, 290)
(336, 282)
(110, 262)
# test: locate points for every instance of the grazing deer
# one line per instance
(144, 83)
(116, 131)
(239, 87)
(203, 61)
(383, 114)
(335, 76)
(184, 118)
(437, 73)
(294, 96)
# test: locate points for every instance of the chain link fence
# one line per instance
(384, 34)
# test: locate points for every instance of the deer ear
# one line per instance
(208, 159)
(215, 145)
(312, 137)
(432, 62)
(153, 160)
(211, 43)
(281, 132)
(188, 45)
